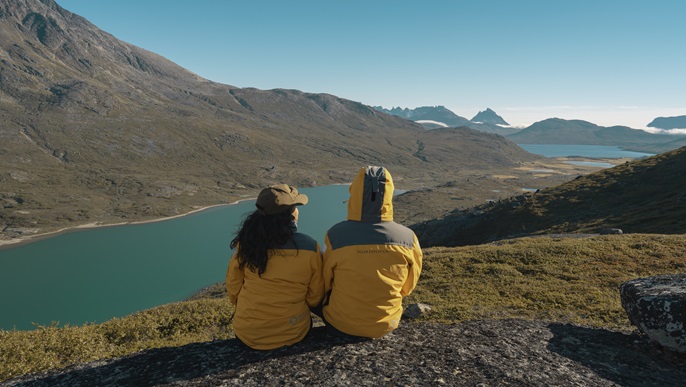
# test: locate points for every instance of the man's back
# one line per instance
(370, 262)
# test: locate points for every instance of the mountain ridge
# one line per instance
(668, 123)
(561, 131)
(426, 115)
(96, 130)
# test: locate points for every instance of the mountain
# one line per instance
(488, 116)
(428, 113)
(646, 196)
(432, 117)
(559, 131)
(95, 130)
(668, 123)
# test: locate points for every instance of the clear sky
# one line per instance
(611, 62)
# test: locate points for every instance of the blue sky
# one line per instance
(605, 61)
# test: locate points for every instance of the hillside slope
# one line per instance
(95, 130)
(536, 311)
(646, 196)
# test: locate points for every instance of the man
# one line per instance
(370, 262)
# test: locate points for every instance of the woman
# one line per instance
(274, 276)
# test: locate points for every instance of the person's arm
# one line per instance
(315, 290)
(414, 269)
(327, 269)
(234, 280)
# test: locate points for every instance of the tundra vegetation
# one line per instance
(568, 280)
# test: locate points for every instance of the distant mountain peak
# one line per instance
(488, 116)
(439, 114)
(432, 117)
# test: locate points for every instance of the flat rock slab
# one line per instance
(657, 306)
(489, 352)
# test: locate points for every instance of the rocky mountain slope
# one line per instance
(646, 196)
(95, 130)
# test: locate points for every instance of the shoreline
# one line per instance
(17, 242)
(21, 241)
(24, 240)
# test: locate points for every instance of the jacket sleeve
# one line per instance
(234, 280)
(414, 269)
(315, 290)
(327, 269)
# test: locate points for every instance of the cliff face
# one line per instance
(508, 352)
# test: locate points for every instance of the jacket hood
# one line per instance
(371, 195)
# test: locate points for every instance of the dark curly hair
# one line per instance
(260, 233)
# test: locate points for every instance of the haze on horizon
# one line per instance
(611, 62)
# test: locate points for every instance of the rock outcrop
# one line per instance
(415, 310)
(657, 306)
(487, 352)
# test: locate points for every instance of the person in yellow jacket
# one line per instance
(275, 273)
(370, 261)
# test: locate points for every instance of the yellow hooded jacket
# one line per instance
(273, 310)
(370, 262)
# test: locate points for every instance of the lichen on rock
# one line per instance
(657, 306)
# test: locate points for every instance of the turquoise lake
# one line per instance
(96, 274)
(591, 151)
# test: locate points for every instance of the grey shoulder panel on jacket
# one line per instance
(352, 233)
(302, 241)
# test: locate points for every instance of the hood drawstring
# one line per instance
(374, 180)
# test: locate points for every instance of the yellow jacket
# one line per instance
(370, 262)
(273, 310)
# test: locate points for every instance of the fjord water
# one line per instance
(94, 275)
(590, 151)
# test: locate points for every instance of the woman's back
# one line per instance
(272, 310)
(275, 274)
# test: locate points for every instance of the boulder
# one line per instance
(415, 310)
(610, 231)
(657, 306)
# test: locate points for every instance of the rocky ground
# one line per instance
(474, 353)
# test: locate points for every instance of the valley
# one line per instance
(96, 132)
(428, 197)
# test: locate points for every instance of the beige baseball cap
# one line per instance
(279, 198)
